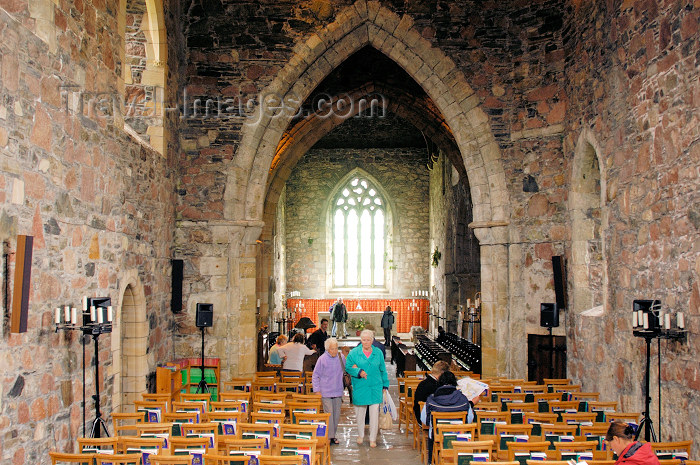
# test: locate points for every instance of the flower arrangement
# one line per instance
(357, 324)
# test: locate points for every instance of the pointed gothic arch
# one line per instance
(368, 23)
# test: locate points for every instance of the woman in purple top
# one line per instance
(328, 380)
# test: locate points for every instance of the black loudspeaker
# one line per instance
(549, 315)
(205, 315)
(559, 270)
(20, 295)
(176, 299)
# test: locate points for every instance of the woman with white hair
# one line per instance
(366, 366)
(328, 380)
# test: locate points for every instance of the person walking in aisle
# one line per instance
(339, 316)
(328, 380)
(387, 324)
(366, 366)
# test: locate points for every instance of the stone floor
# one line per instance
(393, 447)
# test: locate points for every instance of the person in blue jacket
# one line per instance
(366, 366)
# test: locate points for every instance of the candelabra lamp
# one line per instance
(650, 321)
(93, 320)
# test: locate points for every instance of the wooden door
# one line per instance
(543, 360)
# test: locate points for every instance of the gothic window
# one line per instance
(359, 235)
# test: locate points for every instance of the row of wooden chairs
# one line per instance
(135, 459)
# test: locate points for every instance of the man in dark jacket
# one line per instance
(387, 324)
(446, 398)
(318, 338)
(339, 315)
(428, 386)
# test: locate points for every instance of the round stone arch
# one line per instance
(586, 205)
(327, 221)
(368, 23)
(129, 342)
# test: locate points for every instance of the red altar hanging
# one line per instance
(404, 315)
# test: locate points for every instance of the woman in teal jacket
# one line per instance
(366, 366)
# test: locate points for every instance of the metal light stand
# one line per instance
(652, 329)
(94, 329)
(202, 386)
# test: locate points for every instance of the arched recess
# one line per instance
(144, 70)
(587, 269)
(368, 23)
(130, 343)
(389, 209)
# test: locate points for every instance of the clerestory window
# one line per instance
(359, 235)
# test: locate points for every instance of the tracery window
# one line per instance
(359, 235)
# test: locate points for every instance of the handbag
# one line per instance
(347, 382)
(385, 417)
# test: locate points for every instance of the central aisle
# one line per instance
(393, 446)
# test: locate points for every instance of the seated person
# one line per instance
(428, 386)
(274, 356)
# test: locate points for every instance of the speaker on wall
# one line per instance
(176, 297)
(559, 271)
(549, 315)
(205, 315)
(20, 294)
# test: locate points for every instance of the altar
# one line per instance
(407, 312)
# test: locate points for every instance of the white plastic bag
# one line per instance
(389, 407)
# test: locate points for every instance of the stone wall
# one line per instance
(401, 173)
(633, 83)
(100, 208)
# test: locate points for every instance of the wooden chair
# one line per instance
(558, 429)
(256, 431)
(154, 428)
(320, 421)
(548, 396)
(415, 374)
(222, 418)
(515, 430)
(237, 384)
(170, 460)
(61, 458)
(280, 460)
(181, 443)
(163, 398)
(623, 416)
(592, 462)
(517, 410)
(139, 444)
(526, 447)
(295, 446)
(595, 430)
(264, 384)
(488, 406)
(92, 445)
(670, 450)
(576, 446)
(302, 407)
(261, 407)
(548, 381)
(265, 375)
(181, 417)
(410, 420)
(241, 406)
(290, 387)
(440, 419)
(124, 422)
(236, 444)
(589, 396)
(308, 433)
(445, 435)
(312, 398)
(217, 459)
(487, 421)
(146, 405)
(118, 459)
(468, 447)
(294, 376)
(180, 406)
(557, 462)
(269, 397)
(235, 396)
(208, 430)
(580, 417)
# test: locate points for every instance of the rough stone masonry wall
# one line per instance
(403, 176)
(97, 204)
(633, 70)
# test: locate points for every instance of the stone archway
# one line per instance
(368, 23)
(586, 205)
(129, 344)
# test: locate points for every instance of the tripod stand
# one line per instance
(202, 387)
(98, 423)
(646, 421)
